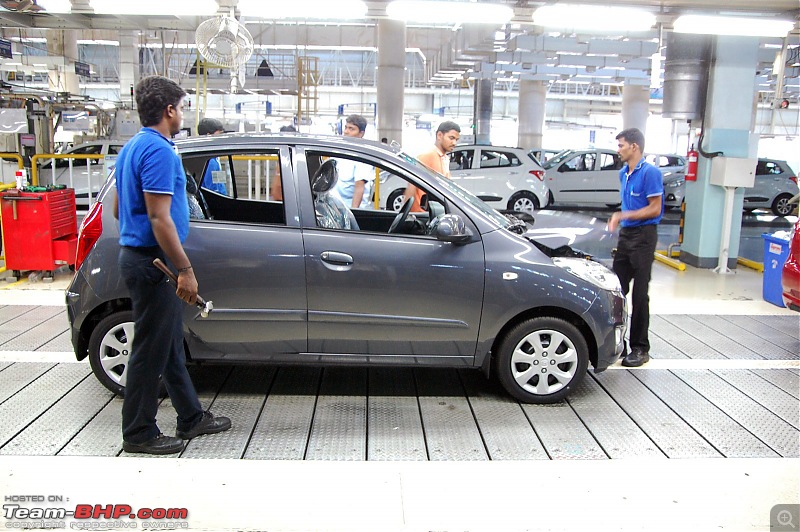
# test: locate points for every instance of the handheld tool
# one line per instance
(204, 306)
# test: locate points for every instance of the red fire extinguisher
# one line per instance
(691, 164)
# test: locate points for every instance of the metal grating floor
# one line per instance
(292, 413)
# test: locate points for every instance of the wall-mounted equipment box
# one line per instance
(733, 172)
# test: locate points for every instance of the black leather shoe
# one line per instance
(636, 358)
(159, 445)
(208, 424)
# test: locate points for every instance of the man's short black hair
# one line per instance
(153, 95)
(632, 136)
(209, 126)
(448, 125)
(357, 120)
(288, 129)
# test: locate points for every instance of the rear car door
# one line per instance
(380, 294)
(246, 249)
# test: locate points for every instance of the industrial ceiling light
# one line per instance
(304, 9)
(199, 8)
(449, 12)
(591, 18)
(744, 26)
(55, 6)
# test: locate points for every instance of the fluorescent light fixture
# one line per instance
(596, 19)
(55, 6)
(738, 26)
(304, 9)
(448, 12)
(176, 8)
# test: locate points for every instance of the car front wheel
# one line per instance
(395, 200)
(542, 360)
(523, 201)
(781, 205)
(110, 350)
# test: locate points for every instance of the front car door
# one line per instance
(402, 297)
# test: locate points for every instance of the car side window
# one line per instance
(498, 159)
(610, 162)
(461, 160)
(333, 178)
(236, 187)
(768, 168)
(113, 150)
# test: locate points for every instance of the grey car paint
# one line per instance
(297, 293)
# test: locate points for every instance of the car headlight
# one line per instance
(590, 271)
(676, 184)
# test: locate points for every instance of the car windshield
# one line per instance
(556, 159)
(456, 190)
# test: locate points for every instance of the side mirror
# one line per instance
(451, 228)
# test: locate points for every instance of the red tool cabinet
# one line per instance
(40, 229)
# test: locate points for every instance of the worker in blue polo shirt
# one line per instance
(153, 223)
(642, 192)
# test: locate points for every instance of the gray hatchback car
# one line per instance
(296, 277)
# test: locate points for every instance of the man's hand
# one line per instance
(613, 223)
(187, 286)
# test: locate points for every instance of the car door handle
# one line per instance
(337, 258)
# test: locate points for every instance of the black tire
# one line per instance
(523, 201)
(781, 205)
(110, 342)
(392, 203)
(534, 337)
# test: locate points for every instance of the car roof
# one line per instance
(243, 140)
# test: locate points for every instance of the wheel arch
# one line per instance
(95, 317)
(538, 312)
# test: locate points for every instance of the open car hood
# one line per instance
(566, 233)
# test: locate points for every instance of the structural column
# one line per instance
(532, 100)
(63, 43)
(635, 106)
(391, 79)
(128, 65)
(484, 94)
(727, 129)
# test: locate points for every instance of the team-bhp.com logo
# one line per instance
(87, 516)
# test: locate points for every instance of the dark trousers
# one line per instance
(157, 349)
(634, 261)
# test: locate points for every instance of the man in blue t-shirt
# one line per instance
(153, 223)
(642, 193)
(212, 126)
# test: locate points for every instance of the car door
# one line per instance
(389, 295)
(248, 260)
(573, 179)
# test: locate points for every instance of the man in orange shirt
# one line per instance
(437, 159)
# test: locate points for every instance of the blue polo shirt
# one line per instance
(208, 178)
(149, 162)
(645, 182)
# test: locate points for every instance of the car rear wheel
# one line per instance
(110, 349)
(542, 360)
(781, 205)
(523, 201)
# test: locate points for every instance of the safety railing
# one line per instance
(70, 157)
(254, 173)
(9, 182)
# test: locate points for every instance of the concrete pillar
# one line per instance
(391, 78)
(635, 106)
(532, 96)
(63, 43)
(728, 128)
(482, 117)
(128, 65)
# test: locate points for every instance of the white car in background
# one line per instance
(505, 178)
(584, 177)
(83, 176)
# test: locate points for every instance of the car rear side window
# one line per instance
(498, 159)
(611, 162)
(236, 187)
(768, 168)
(461, 160)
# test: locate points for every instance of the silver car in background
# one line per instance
(673, 172)
(584, 177)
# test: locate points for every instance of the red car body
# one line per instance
(790, 278)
